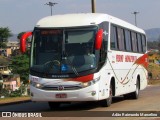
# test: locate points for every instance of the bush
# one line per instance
(16, 93)
(4, 92)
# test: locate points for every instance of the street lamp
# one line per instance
(135, 13)
(51, 4)
(93, 2)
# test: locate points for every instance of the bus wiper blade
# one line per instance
(49, 65)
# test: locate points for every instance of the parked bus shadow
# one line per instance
(77, 106)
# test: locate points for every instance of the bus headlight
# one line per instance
(37, 85)
(86, 84)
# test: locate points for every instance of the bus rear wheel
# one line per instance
(135, 95)
(107, 102)
(54, 105)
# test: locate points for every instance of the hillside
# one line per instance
(13, 38)
(153, 34)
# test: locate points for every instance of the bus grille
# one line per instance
(61, 88)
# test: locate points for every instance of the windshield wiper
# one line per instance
(49, 65)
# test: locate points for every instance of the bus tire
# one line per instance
(135, 95)
(107, 102)
(54, 105)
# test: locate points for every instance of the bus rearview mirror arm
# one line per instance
(23, 41)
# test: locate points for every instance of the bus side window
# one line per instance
(128, 40)
(121, 39)
(139, 38)
(144, 43)
(134, 41)
(114, 38)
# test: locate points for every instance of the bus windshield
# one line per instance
(63, 51)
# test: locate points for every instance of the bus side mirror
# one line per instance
(99, 38)
(23, 41)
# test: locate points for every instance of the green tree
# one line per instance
(20, 35)
(4, 61)
(20, 65)
(1, 85)
(5, 33)
(152, 45)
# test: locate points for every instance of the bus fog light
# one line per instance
(93, 93)
(32, 94)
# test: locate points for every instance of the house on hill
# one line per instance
(11, 46)
(7, 79)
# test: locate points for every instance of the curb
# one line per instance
(16, 102)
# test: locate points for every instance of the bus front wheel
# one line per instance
(107, 102)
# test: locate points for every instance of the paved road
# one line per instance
(149, 101)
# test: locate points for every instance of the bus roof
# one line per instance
(82, 19)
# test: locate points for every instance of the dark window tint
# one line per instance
(144, 43)
(128, 40)
(121, 39)
(139, 38)
(134, 41)
(114, 38)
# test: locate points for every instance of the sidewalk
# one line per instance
(14, 100)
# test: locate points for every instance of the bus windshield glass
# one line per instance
(63, 51)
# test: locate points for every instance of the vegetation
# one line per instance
(154, 65)
(1, 84)
(5, 33)
(16, 93)
(4, 61)
(20, 35)
(155, 70)
(4, 92)
(154, 44)
(20, 65)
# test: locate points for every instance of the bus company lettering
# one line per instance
(125, 58)
(119, 58)
(129, 58)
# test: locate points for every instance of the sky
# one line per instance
(22, 15)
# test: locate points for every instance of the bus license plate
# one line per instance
(63, 95)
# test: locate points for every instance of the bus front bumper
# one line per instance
(89, 93)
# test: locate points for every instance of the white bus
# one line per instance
(86, 57)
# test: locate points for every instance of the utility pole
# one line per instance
(135, 13)
(51, 4)
(93, 2)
